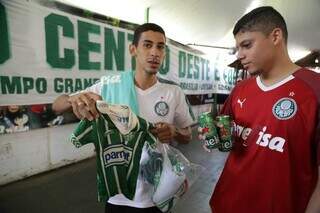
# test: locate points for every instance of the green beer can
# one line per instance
(208, 128)
(224, 124)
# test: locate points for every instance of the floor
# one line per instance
(72, 188)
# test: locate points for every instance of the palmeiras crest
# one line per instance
(285, 108)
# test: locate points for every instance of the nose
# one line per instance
(155, 52)
(240, 55)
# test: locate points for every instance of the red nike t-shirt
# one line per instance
(273, 166)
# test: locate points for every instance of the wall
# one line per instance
(27, 153)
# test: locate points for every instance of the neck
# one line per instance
(282, 68)
(144, 80)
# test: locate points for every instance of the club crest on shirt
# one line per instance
(285, 108)
(161, 108)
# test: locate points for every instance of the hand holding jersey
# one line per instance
(164, 132)
(84, 105)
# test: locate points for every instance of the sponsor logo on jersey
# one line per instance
(265, 139)
(117, 154)
(161, 108)
(285, 108)
(240, 102)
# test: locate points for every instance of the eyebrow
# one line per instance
(149, 41)
(244, 41)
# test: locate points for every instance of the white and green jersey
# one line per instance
(119, 136)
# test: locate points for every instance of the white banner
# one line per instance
(46, 52)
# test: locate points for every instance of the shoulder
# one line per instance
(310, 80)
(244, 84)
(169, 85)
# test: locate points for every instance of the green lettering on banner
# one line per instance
(52, 24)
(229, 76)
(41, 85)
(196, 71)
(164, 69)
(182, 64)
(28, 84)
(114, 51)
(13, 87)
(216, 74)
(203, 61)
(189, 66)
(207, 70)
(22, 85)
(215, 69)
(78, 85)
(4, 36)
(85, 46)
(58, 85)
(68, 85)
(133, 59)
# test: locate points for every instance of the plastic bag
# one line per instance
(170, 173)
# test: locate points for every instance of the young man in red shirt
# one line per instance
(274, 165)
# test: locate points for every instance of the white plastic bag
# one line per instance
(170, 173)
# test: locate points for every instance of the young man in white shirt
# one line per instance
(160, 103)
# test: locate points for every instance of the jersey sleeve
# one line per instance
(183, 113)
(312, 79)
(83, 134)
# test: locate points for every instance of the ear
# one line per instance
(133, 50)
(277, 36)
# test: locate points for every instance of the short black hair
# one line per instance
(262, 19)
(143, 28)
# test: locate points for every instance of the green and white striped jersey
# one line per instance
(118, 136)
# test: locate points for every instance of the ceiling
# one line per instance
(210, 22)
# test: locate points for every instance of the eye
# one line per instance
(161, 47)
(147, 45)
(246, 45)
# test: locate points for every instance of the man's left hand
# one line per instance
(164, 132)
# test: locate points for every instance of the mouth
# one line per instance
(154, 63)
(245, 65)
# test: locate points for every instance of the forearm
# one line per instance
(314, 203)
(183, 136)
(61, 104)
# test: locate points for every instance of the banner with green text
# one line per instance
(46, 52)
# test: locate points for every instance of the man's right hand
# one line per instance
(84, 105)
